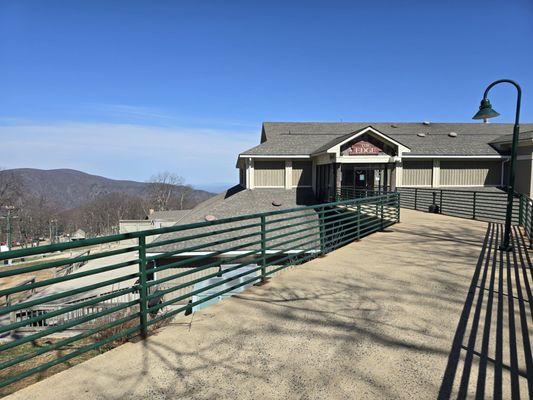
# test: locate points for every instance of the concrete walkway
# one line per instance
(392, 316)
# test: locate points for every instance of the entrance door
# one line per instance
(364, 178)
(373, 177)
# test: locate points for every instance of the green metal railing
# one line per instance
(525, 216)
(357, 193)
(483, 205)
(136, 281)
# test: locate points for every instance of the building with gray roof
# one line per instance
(304, 163)
(383, 156)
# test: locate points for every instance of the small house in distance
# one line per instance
(154, 220)
(78, 235)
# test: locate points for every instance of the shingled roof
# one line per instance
(307, 138)
(233, 202)
(169, 215)
(524, 135)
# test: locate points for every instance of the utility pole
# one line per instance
(8, 219)
(53, 230)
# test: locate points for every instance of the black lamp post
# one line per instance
(485, 112)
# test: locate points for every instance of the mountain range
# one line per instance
(68, 188)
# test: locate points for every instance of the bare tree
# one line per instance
(185, 196)
(10, 188)
(163, 188)
(99, 216)
(34, 216)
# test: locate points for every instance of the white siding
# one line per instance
(269, 173)
(417, 173)
(470, 173)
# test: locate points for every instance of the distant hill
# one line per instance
(216, 187)
(68, 188)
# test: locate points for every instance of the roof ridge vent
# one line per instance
(427, 123)
(452, 134)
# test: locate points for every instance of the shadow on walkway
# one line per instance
(491, 351)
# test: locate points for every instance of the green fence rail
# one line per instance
(483, 205)
(357, 193)
(525, 216)
(130, 282)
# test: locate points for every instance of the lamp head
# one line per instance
(485, 110)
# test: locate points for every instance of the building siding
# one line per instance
(471, 173)
(269, 173)
(523, 177)
(242, 177)
(301, 173)
(417, 173)
(524, 151)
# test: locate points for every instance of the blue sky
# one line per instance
(128, 89)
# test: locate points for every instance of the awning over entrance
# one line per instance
(364, 160)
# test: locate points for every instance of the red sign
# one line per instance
(364, 148)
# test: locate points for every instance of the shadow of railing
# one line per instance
(491, 350)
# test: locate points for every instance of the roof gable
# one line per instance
(335, 145)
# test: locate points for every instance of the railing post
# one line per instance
(322, 232)
(416, 194)
(530, 224)
(358, 221)
(521, 210)
(474, 207)
(263, 248)
(143, 290)
(398, 204)
(382, 221)
(440, 202)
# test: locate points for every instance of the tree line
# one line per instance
(33, 219)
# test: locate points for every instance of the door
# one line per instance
(364, 179)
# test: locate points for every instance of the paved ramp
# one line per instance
(390, 316)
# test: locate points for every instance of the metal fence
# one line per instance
(525, 216)
(483, 205)
(358, 193)
(137, 283)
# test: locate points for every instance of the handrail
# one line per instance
(483, 205)
(526, 216)
(150, 232)
(144, 283)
